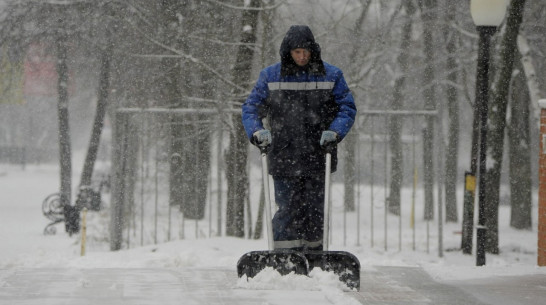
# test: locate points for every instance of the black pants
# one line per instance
(298, 223)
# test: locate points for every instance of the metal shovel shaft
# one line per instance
(327, 205)
(268, 218)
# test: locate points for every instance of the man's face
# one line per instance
(301, 56)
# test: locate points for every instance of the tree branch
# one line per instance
(180, 54)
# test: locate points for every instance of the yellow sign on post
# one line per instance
(470, 183)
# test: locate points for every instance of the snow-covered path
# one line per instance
(145, 286)
(192, 286)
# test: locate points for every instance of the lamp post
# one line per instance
(487, 16)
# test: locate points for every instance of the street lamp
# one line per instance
(487, 16)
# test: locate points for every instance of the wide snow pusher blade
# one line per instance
(284, 261)
(342, 263)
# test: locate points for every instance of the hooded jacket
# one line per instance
(300, 103)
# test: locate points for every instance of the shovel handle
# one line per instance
(268, 218)
(329, 147)
(327, 205)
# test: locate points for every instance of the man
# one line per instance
(308, 106)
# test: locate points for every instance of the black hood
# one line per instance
(300, 36)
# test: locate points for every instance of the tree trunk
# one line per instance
(170, 94)
(351, 140)
(395, 122)
(452, 152)
(267, 57)
(268, 20)
(428, 13)
(236, 157)
(520, 159)
(118, 219)
(71, 217)
(531, 77)
(497, 122)
(196, 155)
(98, 123)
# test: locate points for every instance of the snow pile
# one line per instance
(318, 280)
(270, 279)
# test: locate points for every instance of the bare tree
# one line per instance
(452, 151)
(236, 157)
(395, 122)
(351, 139)
(105, 59)
(520, 157)
(497, 121)
(65, 151)
(428, 13)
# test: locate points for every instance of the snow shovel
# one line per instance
(284, 261)
(342, 263)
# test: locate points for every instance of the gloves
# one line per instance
(262, 138)
(328, 138)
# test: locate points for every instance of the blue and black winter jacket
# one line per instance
(300, 103)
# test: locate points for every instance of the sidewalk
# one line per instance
(380, 285)
(405, 285)
(509, 290)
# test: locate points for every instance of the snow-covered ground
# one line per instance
(23, 246)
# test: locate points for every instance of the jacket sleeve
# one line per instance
(252, 120)
(345, 117)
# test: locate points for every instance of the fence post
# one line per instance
(541, 253)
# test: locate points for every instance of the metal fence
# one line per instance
(142, 212)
